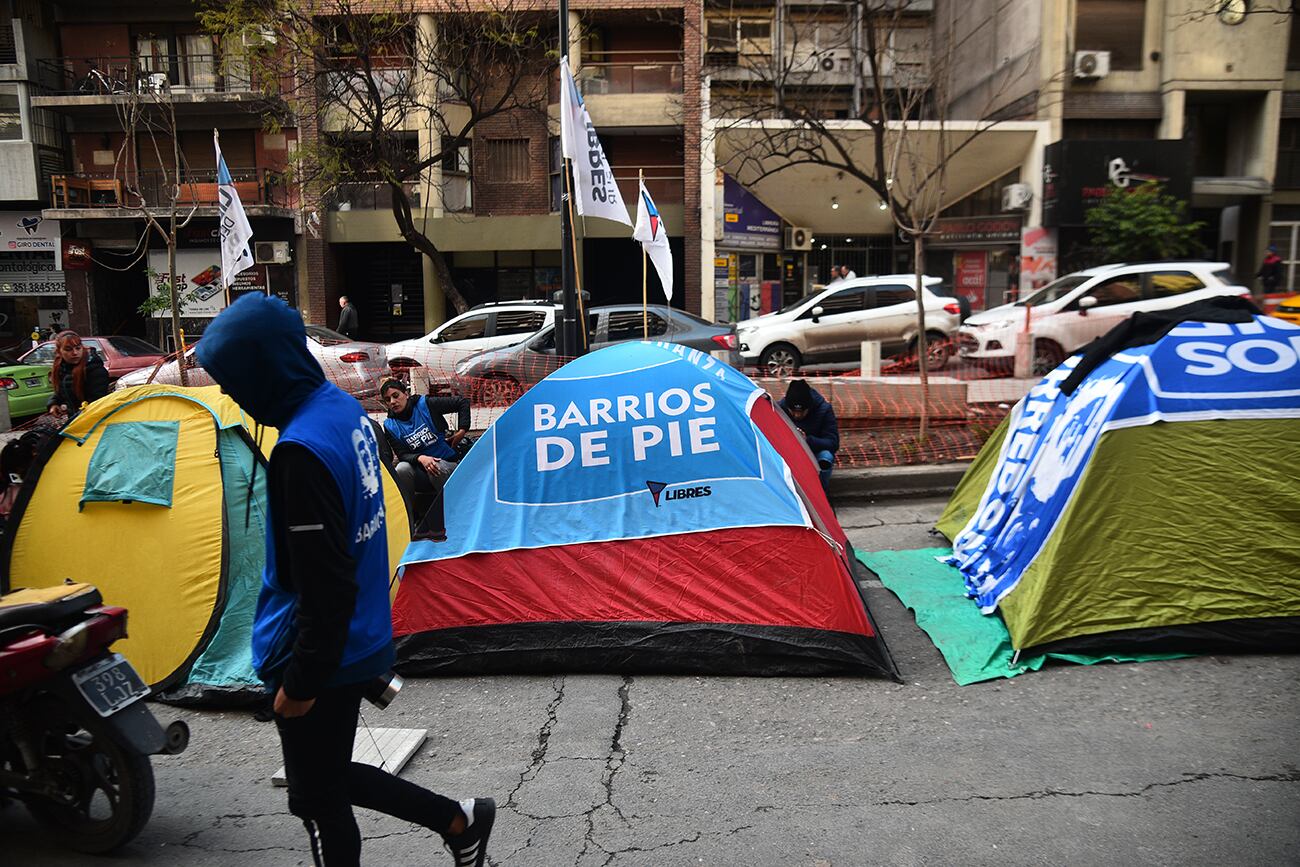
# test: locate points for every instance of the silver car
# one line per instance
(498, 377)
(355, 366)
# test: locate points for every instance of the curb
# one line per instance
(881, 483)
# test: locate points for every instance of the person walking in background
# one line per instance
(322, 632)
(349, 321)
(815, 420)
(78, 375)
(1270, 273)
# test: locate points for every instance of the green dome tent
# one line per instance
(1145, 496)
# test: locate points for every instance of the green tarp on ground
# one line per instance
(977, 647)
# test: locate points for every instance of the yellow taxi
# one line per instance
(1288, 309)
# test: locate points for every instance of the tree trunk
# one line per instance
(421, 242)
(176, 315)
(922, 348)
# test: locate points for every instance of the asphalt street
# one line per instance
(1189, 762)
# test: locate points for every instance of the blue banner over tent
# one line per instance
(660, 428)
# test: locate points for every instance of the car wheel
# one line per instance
(498, 391)
(1048, 355)
(780, 359)
(938, 349)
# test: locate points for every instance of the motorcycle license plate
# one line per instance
(110, 685)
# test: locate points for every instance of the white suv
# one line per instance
(830, 324)
(1074, 310)
(485, 326)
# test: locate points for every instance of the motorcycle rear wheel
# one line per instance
(108, 784)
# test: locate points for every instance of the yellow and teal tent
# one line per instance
(157, 496)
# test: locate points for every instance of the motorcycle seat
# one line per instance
(46, 606)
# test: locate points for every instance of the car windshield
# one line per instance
(133, 346)
(1055, 291)
(326, 336)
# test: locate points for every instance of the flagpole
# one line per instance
(567, 345)
(577, 278)
(645, 299)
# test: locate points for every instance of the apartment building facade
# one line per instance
(1203, 97)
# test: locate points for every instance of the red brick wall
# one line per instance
(509, 198)
(94, 40)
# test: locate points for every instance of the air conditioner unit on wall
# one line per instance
(1016, 197)
(271, 252)
(798, 238)
(1091, 65)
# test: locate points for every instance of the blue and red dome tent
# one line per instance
(646, 508)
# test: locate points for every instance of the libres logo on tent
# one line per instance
(689, 493)
(660, 422)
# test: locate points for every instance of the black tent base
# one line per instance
(641, 648)
(1249, 635)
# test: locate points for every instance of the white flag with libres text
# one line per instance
(232, 223)
(595, 191)
(653, 235)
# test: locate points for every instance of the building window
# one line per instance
(1286, 237)
(1117, 26)
(507, 159)
(11, 119)
(8, 47)
(1293, 47)
(457, 189)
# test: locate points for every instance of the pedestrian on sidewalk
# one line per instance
(815, 420)
(349, 320)
(1270, 272)
(322, 633)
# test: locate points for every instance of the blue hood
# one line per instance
(256, 350)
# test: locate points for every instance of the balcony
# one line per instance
(631, 88)
(665, 184)
(95, 84)
(85, 195)
(368, 196)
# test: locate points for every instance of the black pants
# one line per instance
(413, 479)
(324, 782)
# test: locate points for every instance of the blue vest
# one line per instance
(419, 433)
(335, 428)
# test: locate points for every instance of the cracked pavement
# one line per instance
(1189, 761)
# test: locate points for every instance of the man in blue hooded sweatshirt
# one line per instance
(323, 631)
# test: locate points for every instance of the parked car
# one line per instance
(27, 386)
(357, 367)
(1289, 309)
(121, 354)
(1076, 309)
(486, 326)
(497, 377)
(830, 325)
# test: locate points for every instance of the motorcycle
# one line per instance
(75, 737)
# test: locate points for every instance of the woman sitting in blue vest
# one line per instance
(425, 455)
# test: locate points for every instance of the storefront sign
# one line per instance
(76, 255)
(198, 275)
(1078, 175)
(970, 275)
(30, 255)
(1037, 258)
(747, 223)
(970, 231)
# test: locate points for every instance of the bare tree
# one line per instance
(857, 88)
(394, 92)
(163, 199)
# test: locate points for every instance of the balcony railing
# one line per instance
(626, 72)
(368, 196)
(197, 187)
(177, 74)
(664, 183)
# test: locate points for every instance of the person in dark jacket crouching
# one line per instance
(814, 418)
(322, 632)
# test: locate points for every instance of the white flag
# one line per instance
(653, 235)
(595, 190)
(232, 223)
